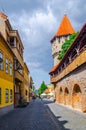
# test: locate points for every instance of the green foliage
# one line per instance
(42, 88)
(66, 45)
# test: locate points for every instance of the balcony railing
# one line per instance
(19, 76)
(19, 58)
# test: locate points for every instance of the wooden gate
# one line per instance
(66, 97)
(61, 98)
(77, 98)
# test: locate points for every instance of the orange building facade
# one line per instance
(69, 75)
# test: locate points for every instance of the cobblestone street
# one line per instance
(43, 115)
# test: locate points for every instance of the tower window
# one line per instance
(59, 39)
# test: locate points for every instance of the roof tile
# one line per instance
(65, 27)
(53, 69)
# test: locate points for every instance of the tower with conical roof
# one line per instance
(65, 29)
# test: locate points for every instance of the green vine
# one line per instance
(66, 45)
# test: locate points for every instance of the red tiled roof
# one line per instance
(53, 69)
(3, 15)
(46, 91)
(65, 27)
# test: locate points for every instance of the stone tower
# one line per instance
(64, 30)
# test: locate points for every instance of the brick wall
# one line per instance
(75, 83)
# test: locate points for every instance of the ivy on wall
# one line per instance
(66, 45)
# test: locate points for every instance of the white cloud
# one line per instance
(33, 65)
(33, 27)
(37, 22)
(35, 31)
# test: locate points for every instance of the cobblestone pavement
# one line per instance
(43, 115)
(66, 117)
(32, 117)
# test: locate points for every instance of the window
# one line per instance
(0, 95)
(7, 95)
(11, 69)
(59, 39)
(12, 41)
(26, 92)
(11, 97)
(1, 61)
(6, 65)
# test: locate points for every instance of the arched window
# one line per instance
(76, 89)
(66, 91)
(60, 90)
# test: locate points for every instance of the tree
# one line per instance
(42, 88)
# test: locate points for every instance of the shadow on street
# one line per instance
(53, 117)
(36, 116)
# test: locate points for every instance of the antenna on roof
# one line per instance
(65, 12)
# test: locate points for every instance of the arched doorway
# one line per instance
(66, 97)
(77, 97)
(61, 99)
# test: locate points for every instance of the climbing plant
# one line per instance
(66, 45)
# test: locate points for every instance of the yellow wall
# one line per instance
(7, 54)
(4, 84)
(6, 80)
(26, 88)
(26, 84)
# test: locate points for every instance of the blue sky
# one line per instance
(37, 21)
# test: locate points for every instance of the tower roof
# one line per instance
(3, 15)
(65, 27)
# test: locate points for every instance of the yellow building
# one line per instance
(17, 48)
(21, 72)
(26, 85)
(6, 77)
(14, 41)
